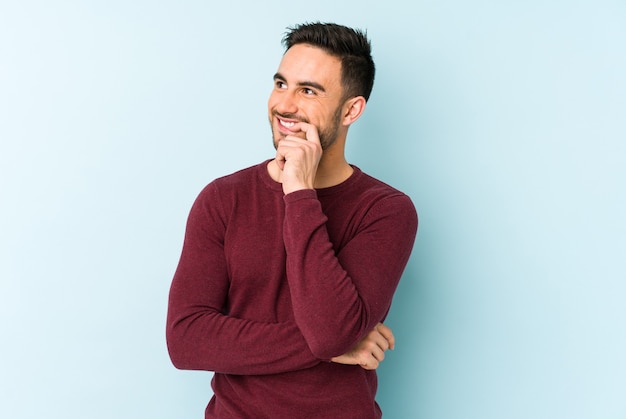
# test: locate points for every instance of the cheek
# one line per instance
(326, 120)
(272, 100)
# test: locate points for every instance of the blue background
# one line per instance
(503, 120)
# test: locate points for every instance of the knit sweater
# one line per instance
(270, 287)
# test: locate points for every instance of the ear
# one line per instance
(353, 109)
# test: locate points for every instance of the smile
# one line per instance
(286, 124)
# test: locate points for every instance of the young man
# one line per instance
(289, 267)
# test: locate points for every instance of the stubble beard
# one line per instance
(327, 136)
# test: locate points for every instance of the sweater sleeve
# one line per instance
(200, 333)
(338, 298)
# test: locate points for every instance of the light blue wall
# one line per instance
(504, 120)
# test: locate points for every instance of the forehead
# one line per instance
(303, 62)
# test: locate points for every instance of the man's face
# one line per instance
(307, 88)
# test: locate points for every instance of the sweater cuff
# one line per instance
(300, 195)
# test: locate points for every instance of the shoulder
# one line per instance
(371, 188)
(235, 182)
(242, 176)
(384, 200)
(226, 192)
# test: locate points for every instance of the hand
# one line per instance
(298, 158)
(370, 351)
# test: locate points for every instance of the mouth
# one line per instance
(286, 125)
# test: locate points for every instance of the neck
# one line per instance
(332, 171)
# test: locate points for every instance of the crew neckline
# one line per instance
(277, 186)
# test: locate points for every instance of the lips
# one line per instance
(286, 125)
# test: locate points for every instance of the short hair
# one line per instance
(351, 46)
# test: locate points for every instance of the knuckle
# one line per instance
(362, 354)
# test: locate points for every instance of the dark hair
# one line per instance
(351, 46)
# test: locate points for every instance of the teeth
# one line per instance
(287, 124)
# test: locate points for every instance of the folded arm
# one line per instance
(339, 298)
(201, 334)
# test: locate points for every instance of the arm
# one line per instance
(338, 298)
(200, 333)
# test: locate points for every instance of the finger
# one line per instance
(371, 366)
(369, 363)
(310, 132)
(286, 147)
(373, 346)
(292, 143)
(378, 353)
(280, 158)
(387, 334)
(378, 340)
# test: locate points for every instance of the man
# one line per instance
(289, 267)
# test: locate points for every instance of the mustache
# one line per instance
(290, 116)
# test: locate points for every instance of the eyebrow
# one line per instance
(312, 84)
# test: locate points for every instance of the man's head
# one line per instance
(324, 79)
(351, 46)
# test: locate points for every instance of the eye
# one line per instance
(309, 92)
(279, 84)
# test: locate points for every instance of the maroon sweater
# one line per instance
(269, 287)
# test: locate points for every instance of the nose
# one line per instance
(286, 102)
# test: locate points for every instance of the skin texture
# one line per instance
(310, 116)
(370, 351)
(308, 93)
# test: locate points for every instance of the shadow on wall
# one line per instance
(394, 143)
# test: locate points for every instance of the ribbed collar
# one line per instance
(263, 173)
